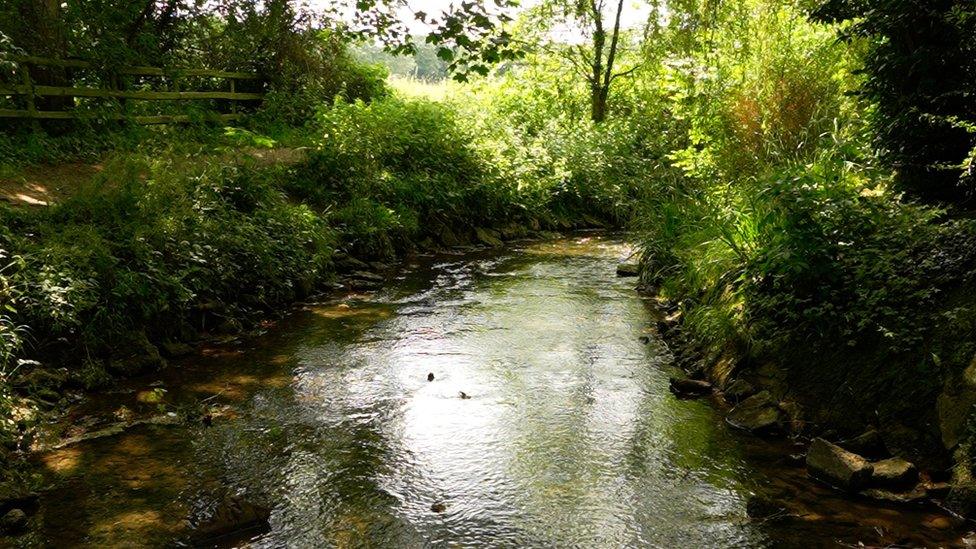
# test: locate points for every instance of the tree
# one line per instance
(470, 36)
(598, 23)
(921, 69)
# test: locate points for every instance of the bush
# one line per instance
(132, 253)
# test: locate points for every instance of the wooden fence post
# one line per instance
(29, 96)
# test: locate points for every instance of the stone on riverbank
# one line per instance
(364, 280)
(894, 473)
(738, 391)
(838, 467)
(690, 388)
(757, 414)
(142, 357)
(174, 349)
(628, 270)
(488, 237)
(868, 444)
(367, 276)
(348, 264)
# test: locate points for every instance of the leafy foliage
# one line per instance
(921, 67)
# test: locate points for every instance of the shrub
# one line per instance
(143, 253)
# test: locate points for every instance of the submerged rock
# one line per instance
(919, 493)
(438, 507)
(14, 521)
(763, 508)
(628, 270)
(690, 388)
(838, 467)
(13, 496)
(894, 473)
(232, 517)
(757, 414)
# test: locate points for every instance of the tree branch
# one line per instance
(614, 42)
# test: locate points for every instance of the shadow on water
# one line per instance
(569, 436)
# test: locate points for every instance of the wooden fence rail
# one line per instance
(29, 90)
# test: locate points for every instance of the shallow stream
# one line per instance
(568, 438)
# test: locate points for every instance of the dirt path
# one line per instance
(45, 185)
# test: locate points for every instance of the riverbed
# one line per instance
(548, 423)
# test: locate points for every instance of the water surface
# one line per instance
(569, 437)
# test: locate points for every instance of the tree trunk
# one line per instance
(46, 38)
(598, 104)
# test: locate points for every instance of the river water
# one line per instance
(568, 438)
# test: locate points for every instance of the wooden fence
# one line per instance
(30, 91)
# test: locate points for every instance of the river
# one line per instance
(568, 436)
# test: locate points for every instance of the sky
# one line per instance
(635, 12)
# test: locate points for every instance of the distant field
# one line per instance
(412, 87)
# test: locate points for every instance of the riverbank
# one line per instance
(873, 460)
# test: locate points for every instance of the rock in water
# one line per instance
(13, 522)
(757, 414)
(690, 388)
(763, 508)
(838, 467)
(438, 507)
(628, 270)
(232, 518)
(894, 473)
(430, 376)
(919, 493)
